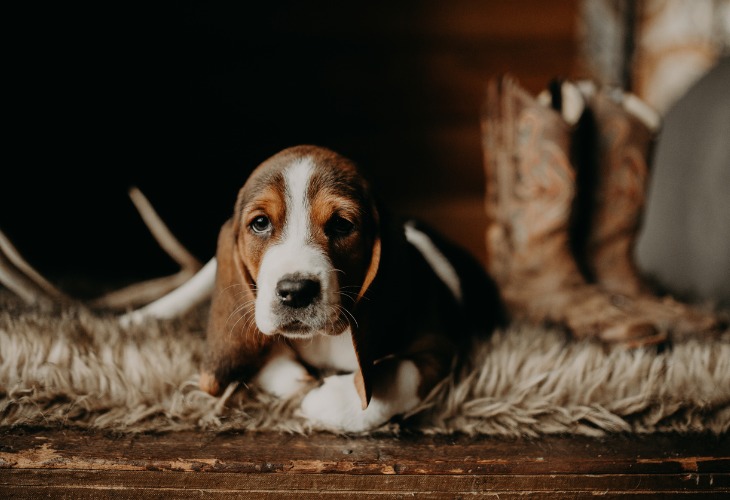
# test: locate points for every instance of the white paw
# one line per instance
(336, 406)
(283, 377)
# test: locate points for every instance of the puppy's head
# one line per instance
(305, 229)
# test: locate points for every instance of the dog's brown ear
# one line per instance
(364, 351)
(235, 346)
(372, 268)
(363, 314)
(375, 309)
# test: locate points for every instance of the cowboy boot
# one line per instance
(623, 146)
(625, 130)
(530, 192)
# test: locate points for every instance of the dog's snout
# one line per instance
(297, 292)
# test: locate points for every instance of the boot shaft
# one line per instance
(618, 168)
(530, 189)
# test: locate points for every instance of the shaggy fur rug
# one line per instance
(77, 369)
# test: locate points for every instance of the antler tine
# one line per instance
(17, 283)
(162, 233)
(178, 301)
(21, 278)
(138, 294)
(142, 293)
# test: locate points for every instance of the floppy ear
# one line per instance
(364, 310)
(235, 346)
(363, 315)
(377, 303)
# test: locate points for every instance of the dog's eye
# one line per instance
(260, 224)
(338, 227)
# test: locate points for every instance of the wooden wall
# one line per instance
(185, 100)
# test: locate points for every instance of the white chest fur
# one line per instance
(328, 352)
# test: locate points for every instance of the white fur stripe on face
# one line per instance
(295, 253)
(296, 181)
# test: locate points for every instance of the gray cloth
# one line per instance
(685, 240)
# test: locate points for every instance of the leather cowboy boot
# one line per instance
(625, 129)
(530, 193)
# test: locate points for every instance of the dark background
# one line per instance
(185, 100)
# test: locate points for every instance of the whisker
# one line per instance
(231, 286)
(244, 316)
(240, 294)
(250, 322)
(349, 295)
(330, 321)
(230, 331)
(348, 314)
(238, 309)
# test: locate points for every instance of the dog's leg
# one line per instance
(282, 375)
(336, 405)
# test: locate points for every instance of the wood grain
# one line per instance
(89, 465)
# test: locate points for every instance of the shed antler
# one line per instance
(138, 294)
(22, 279)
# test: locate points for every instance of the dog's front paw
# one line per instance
(283, 377)
(209, 383)
(336, 406)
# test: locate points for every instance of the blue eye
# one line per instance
(260, 224)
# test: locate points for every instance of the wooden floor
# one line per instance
(71, 464)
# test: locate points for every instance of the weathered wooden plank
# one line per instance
(119, 494)
(324, 453)
(77, 464)
(121, 479)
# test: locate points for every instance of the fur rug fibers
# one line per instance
(75, 369)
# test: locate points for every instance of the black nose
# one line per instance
(297, 292)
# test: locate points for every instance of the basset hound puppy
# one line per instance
(313, 275)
